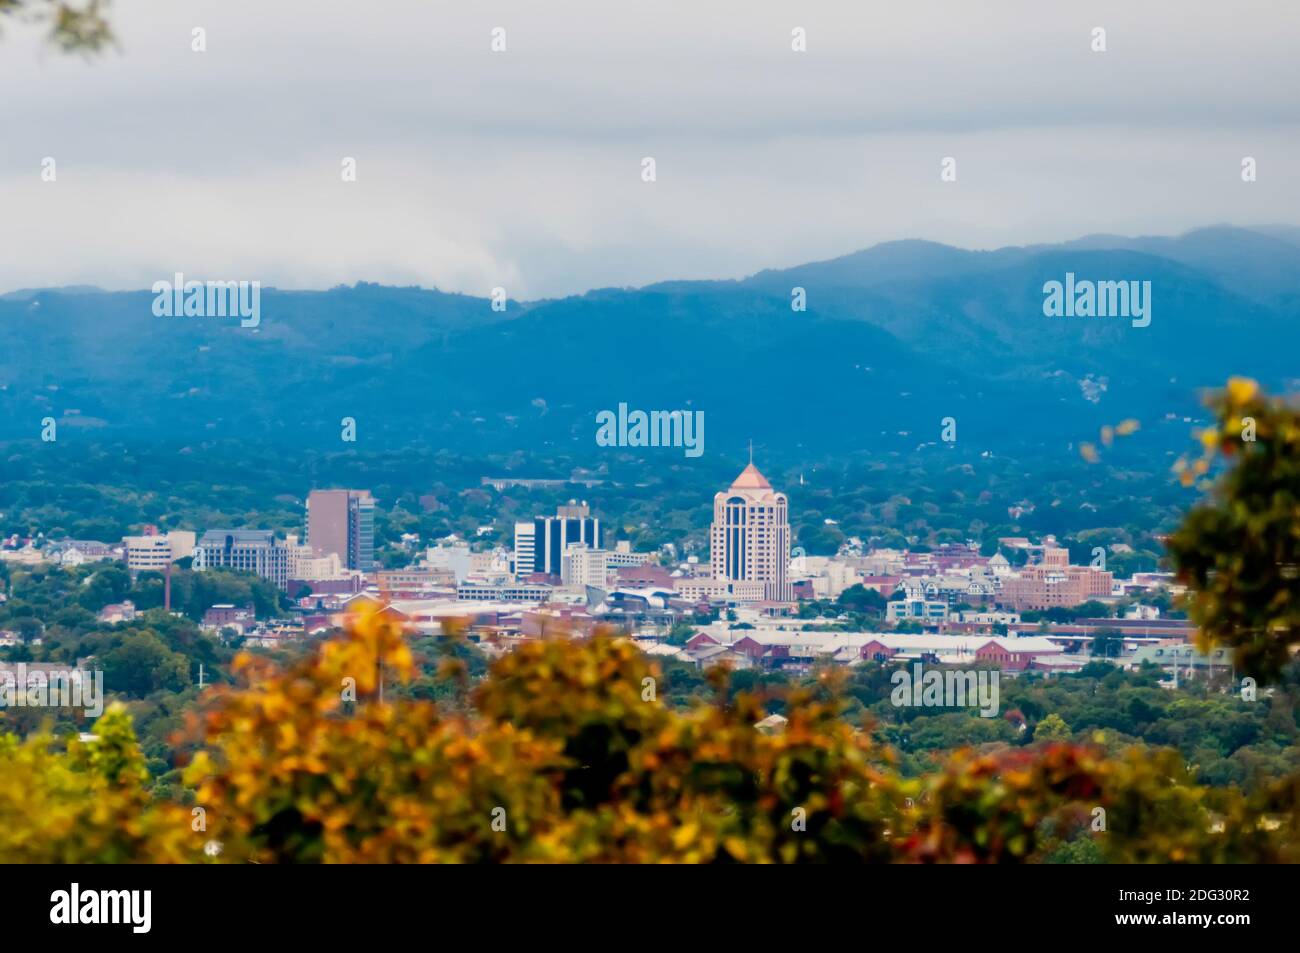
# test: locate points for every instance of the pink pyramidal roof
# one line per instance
(751, 479)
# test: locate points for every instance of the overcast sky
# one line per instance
(523, 168)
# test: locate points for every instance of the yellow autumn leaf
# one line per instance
(685, 834)
(1241, 389)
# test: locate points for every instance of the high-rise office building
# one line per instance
(343, 522)
(750, 537)
(251, 550)
(525, 543)
(542, 548)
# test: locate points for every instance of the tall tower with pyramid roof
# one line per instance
(749, 541)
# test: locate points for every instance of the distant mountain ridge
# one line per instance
(894, 338)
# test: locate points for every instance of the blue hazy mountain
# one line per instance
(894, 339)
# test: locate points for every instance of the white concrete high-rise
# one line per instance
(584, 566)
(525, 549)
(750, 537)
(152, 553)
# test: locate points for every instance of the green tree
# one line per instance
(1239, 550)
(141, 664)
(29, 628)
(1107, 643)
(858, 598)
(1052, 728)
(107, 585)
(680, 633)
(72, 26)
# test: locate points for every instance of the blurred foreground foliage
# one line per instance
(1239, 550)
(567, 755)
(80, 26)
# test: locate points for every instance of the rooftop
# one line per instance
(218, 536)
(751, 479)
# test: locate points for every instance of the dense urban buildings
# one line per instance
(306, 564)
(750, 536)
(559, 576)
(1054, 582)
(343, 522)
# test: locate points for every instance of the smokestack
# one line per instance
(167, 588)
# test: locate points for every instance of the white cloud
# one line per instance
(522, 169)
